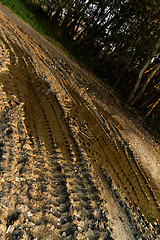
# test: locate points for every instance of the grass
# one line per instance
(41, 25)
(19, 7)
(35, 20)
(39, 22)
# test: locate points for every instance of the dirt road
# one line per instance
(75, 164)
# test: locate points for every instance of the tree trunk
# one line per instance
(132, 95)
(153, 106)
(146, 102)
(139, 79)
(139, 94)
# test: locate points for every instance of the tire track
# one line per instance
(58, 180)
(136, 175)
(81, 188)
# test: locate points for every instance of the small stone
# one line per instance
(30, 214)
(10, 229)
(17, 179)
(79, 228)
(51, 210)
(2, 180)
(78, 216)
(64, 234)
(150, 225)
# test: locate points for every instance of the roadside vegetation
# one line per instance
(20, 8)
(118, 40)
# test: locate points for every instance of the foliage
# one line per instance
(121, 37)
(21, 9)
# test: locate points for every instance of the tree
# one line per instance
(132, 99)
(120, 38)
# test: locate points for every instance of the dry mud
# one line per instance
(75, 164)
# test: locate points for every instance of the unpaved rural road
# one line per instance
(74, 162)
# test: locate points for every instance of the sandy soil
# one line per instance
(75, 163)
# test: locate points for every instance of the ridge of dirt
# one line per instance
(73, 164)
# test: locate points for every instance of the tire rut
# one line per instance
(68, 168)
(52, 185)
(138, 186)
